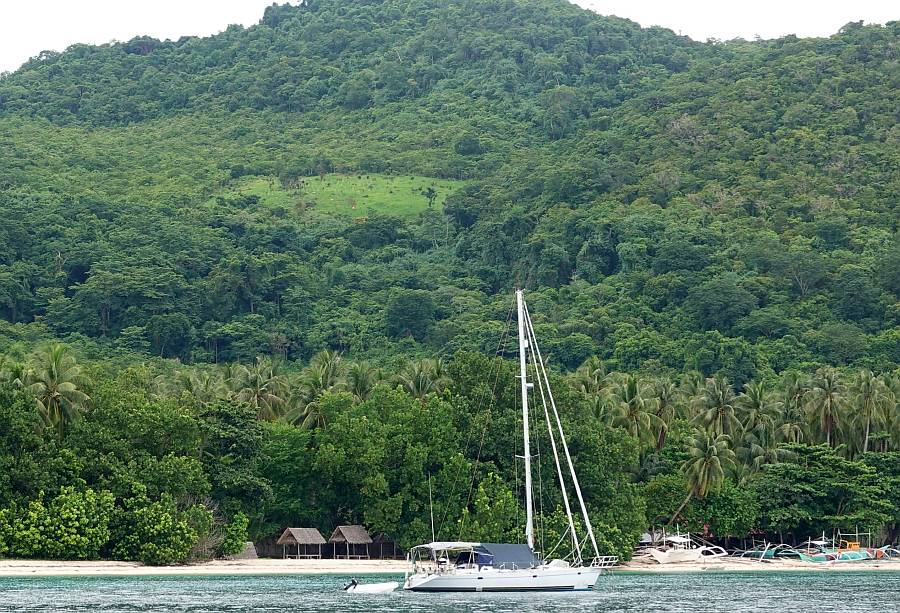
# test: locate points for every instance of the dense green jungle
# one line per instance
(265, 278)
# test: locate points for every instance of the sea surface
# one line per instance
(701, 591)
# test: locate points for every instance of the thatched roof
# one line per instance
(355, 535)
(381, 537)
(301, 536)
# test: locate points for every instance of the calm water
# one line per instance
(845, 591)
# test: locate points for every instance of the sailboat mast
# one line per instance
(523, 378)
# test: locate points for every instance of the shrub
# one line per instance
(154, 533)
(235, 535)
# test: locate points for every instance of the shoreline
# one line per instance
(738, 565)
(259, 566)
(265, 566)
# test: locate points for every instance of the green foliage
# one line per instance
(74, 525)
(372, 180)
(494, 514)
(6, 531)
(817, 490)
(232, 440)
(267, 193)
(155, 533)
(235, 535)
(663, 493)
(28, 463)
(731, 511)
(888, 467)
(409, 313)
(286, 462)
(354, 195)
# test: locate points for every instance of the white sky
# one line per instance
(727, 19)
(29, 26)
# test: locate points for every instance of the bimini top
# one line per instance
(492, 554)
(447, 546)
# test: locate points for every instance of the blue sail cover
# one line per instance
(481, 558)
(508, 555)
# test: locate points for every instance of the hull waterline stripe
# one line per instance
(558, 588)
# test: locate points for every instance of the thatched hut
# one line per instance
(301, 537)
(355, 539)
(387, 547)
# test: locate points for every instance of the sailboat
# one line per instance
(456, 566)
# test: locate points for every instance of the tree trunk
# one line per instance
(866, 440)
(686, 500)
(661, 439)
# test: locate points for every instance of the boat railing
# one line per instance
(605, 561)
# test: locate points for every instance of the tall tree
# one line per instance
(872, 400)
(710, 456)
(56, 382)
(827, 403)
(715, 407)
(631, 410)
(262, 388)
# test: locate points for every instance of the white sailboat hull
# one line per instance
(503, 580)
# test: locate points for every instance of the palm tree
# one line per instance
(12, 373)
(206, 387)
(872, 398)
(590, 378)
(232, 376)
(307, 414)
(55, 382)
(598, 408)
(665, 406)
(826, 402)
(757, 444)
(757, 405)
(710, 457)
(262, 388)
(424, 377)
(631, 410)
(361, 379)
(792, 423)
(324, 374)
(715, 408)
(690, 387)
(892, 381)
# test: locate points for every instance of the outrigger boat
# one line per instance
(682, 548)
(846, 547)
(455, 566)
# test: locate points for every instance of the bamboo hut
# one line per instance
(354, 539)
(301, 537)
(387, 547)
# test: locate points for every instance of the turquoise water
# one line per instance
(695, 592)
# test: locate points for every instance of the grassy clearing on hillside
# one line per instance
(354, 195)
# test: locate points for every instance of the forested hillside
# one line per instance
(342, 198)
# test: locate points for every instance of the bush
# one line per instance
(5, 531)
(78, 524)
(74, 526)
(155, 533)
(235, 535)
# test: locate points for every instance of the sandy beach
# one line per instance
(49, 568)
